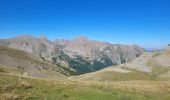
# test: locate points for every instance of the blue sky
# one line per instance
(142, 22)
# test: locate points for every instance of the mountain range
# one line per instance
(79, 55)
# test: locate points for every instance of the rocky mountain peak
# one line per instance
(25, 36)
(43, 38)
(81, 38)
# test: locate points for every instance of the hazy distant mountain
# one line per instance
(80, 54)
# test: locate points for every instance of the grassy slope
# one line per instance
(115, 76)
(18, 59)
(38, 89)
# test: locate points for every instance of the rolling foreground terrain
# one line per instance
(37, 69)
(21, 88)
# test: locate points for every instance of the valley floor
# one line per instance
(21, 88)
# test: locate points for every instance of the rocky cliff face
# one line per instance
(80, 54)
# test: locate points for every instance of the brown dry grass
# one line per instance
(10, 96)
(138, 86)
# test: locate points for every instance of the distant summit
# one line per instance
(81, 38)
(25, 36)
(43, 38)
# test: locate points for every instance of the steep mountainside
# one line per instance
(89, 55)
(80, 54)
(18, 62)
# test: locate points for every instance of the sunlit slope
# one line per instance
(24, 64)
(113, 74)
(155, 63)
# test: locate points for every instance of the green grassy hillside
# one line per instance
(19, 88)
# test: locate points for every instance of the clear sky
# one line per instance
(142, 22)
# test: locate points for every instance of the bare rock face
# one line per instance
(80, 54)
